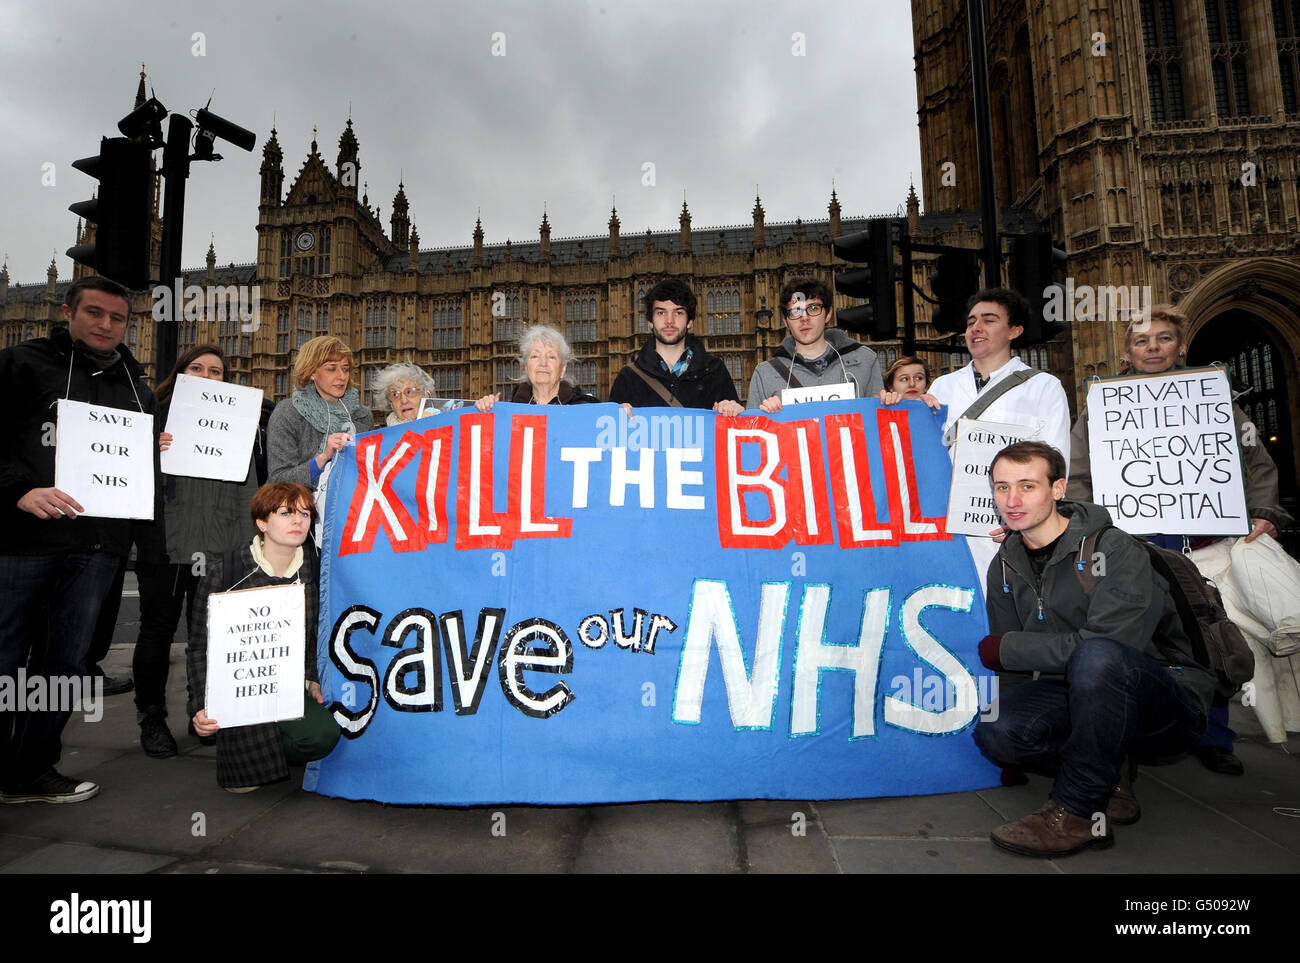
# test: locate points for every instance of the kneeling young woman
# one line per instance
(252, 756)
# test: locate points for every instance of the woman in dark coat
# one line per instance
(545, 356)
(251, 756)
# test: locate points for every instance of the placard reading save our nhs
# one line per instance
(567, 606)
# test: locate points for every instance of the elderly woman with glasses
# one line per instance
(545, 355)
(400, 388)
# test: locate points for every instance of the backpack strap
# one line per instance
(657, 387)
(986, 398)
(784, 371)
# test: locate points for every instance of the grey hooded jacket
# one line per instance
(856, 363)
(1130, 605)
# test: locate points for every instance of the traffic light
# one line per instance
(877, 318)
(1031, 275)
(120, 213)
(955, 279)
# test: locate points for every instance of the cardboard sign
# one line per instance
(104, 459)
(433, 406)
(971, 510)
(214, 425)
(1164, 451)
(564, 605)
(844, 391)
(255, 655)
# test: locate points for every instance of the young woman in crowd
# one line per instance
(1155, 345)
(311, 426)
(201, 518)
(281, 554)
(400, 388)
(545, 355)
(907, 379)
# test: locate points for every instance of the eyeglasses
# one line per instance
(814, 309)
(410, 391)
(291, 512)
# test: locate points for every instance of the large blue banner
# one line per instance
(564, 605)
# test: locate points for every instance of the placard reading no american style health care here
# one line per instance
(1164, 453)
(255, 656)
(564, 605)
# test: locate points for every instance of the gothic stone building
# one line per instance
(1157, 140)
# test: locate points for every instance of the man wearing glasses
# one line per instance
(813, 354)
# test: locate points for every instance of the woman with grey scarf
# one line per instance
(311, 426)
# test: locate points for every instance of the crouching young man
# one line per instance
(1117, 674)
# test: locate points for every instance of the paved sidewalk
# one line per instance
(169, 816)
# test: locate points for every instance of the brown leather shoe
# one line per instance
(1051, 831)
(1123, 808)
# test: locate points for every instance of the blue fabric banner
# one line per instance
(564, 605)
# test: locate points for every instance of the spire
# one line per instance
(613, 231)
(544, 236)
(211, 259)
(415, 249)
(833, 208)
(913, 208)
(140, 94)
(478, 241)
(348, 169)
(758, 220)
(51, 275)
(400, 218)
(685, 221)
(4, 279)
(272, 170)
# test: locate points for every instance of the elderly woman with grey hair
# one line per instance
(544, 354)
(400, 388)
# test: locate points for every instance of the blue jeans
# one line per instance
(1114, 701)
(48, 603)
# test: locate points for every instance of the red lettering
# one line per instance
(528, 473)
(851, 485)
(478, 526)
(431, 484)
(374, 503)
(900, 481)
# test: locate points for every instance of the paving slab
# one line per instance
(857, 855)
(77, 860)
(951, 815)
(12, 847)
(209, 867)
(150, 805)
(312, 832)
(776, 849)
(759, 812)
(660, 837)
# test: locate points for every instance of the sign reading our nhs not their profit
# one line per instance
(571, 606)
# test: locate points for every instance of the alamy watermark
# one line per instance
(650, 431)
(1068, 302)
(55, 693)
(216, 302)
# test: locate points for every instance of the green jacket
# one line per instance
(1130, 605)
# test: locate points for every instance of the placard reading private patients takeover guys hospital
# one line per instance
(568, 605)
(103, 458)
(213, 425)
(1164, 453)
(255, 655)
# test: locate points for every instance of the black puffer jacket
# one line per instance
(34, 375)
(703, 384)
(1130, 604)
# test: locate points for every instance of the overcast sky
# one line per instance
(713, 93)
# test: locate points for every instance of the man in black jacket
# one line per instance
(56, 565)
(1117, 673)
(673, 370)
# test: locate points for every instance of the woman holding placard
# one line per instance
(254, 755)
(311, 426)
(1155, 345)
(201, 518)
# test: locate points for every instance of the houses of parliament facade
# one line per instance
(1155, 139)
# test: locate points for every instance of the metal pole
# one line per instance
(176, 170)
(979, 82)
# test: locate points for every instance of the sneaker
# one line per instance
(1220, 760)
(51, 788)
(155, 738)
(1051, 831)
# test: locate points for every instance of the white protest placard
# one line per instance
(836, 392)
(433, 406)
(103, 458)
(971, 509)
(213, 425)
(1164, 453)
(255, 655)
